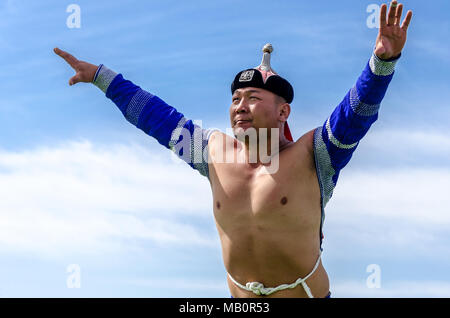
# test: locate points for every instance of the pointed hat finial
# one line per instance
(267, 48)
(265, 68)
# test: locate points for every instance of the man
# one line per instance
(270, 224)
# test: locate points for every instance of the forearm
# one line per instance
(337, 139)
(353, 117)
(142, 109)
(156, 118)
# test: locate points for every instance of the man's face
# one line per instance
(254, 107)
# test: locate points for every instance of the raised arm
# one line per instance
(337, 139)
(147, 112)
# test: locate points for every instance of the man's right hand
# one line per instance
(85, 72)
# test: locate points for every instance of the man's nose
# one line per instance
(242, 107)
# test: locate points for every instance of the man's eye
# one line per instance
(235, 99)
(253, 97)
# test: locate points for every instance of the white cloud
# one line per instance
(389, 210)
(85, 198)
(81, 198)
(115, 177)
(404, 145)
(417, 195)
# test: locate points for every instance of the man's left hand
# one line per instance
(392, 37)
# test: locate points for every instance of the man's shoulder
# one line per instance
(220, 140)
(305, 147)
(218, 135)
(306, 141)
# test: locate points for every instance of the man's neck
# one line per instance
(264, 153)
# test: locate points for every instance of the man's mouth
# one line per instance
(241, 121)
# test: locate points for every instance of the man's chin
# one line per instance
(244, 130)
(239, 130)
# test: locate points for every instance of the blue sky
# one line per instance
(80, 185)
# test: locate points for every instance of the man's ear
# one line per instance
(284, 110)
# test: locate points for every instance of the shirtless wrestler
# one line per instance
(270, 224)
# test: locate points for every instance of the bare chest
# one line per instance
(267, 198)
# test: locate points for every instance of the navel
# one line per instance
(283, 201)
(218, 204)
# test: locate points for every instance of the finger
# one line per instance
(75, 79)
(398, 14)
(392, 10)
(407, 20)
(66, 56)
(383, 15)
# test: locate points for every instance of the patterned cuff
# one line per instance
(382, 67)
(103, 77)
(360, 108)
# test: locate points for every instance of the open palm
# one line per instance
(392, 37)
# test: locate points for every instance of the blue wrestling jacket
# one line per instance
(334, 141)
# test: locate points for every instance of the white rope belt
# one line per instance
(259, 289)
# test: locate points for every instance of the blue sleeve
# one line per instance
(336, 140)
(157, 119)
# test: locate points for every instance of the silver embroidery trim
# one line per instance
(203, 166)
(104, 78)
(336, 142)
(361, 108)
(176, 133)
(136, 105)
(325, 170)
(381, 68)
(197, 149)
